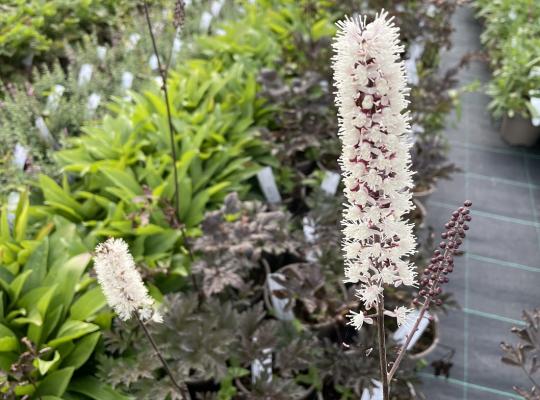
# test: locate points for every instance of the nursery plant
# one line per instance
(51, 312)
(524, 355)
(511, 40)
(371, 99)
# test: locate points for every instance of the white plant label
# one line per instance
(283, 313)
(12, 203)
(411, 71)
(133, 40)
(262, 367)
(268, 185)
(20, 155)
(376, 394)
(53, 100)
(535, 111)
(206, 20)
(309, 229)
(28, 60)
(153, 62)
(43, 130)
(400, 336)
(93, 102)
(177, 45)
(330, 182)
(215, 8)
(415, 52)
(127, 80)
(85, 74)
(101, 53)
(310, 234)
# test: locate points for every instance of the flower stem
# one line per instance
(163, 72)
(382, 348)
(403, 348)
(181, 387)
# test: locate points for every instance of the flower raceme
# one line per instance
(373, 127)
(121, 282)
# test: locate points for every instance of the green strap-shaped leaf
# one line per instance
(8, 340)
(91, 387)
(88, 304)
(83, 350)
(56, 383)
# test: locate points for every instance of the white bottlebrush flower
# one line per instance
(121, 282)
(371, 97)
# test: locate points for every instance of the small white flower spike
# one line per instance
(121, 282)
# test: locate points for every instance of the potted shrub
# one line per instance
(513, 47)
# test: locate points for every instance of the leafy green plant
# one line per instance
(511, 40)
(126, 181)
(51, 313)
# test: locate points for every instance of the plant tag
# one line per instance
(85, 74)
(133, 40)
(153, 62)
(93, 102)
(535, 110)
(177, 45)
(28, 60)
(101, 53)
(43, 130)
(53, 100)
(267, 182)
(12, 203)
(206, 20)
(283, 313)
(310, 234)
(330, 182)
(376, 393)
(535, 72)
(20, 155)
(215, 8)
(127, 80)
(309, 229)
(411, 71)
(400, 336)
(260, 368)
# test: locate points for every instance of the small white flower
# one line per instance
(401, 314)
(121, 282)
(356, 272)
(357, 319)
(369, 294)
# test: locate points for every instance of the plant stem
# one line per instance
(181, 387)
(163, 72)
(403, 348)
(382, 348)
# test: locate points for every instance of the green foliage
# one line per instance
(51, 313)
(57, 96)
(126, 183)
(511, 37)
(41, 29)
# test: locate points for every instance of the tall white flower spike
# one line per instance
(121, 282)
(373, 127)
